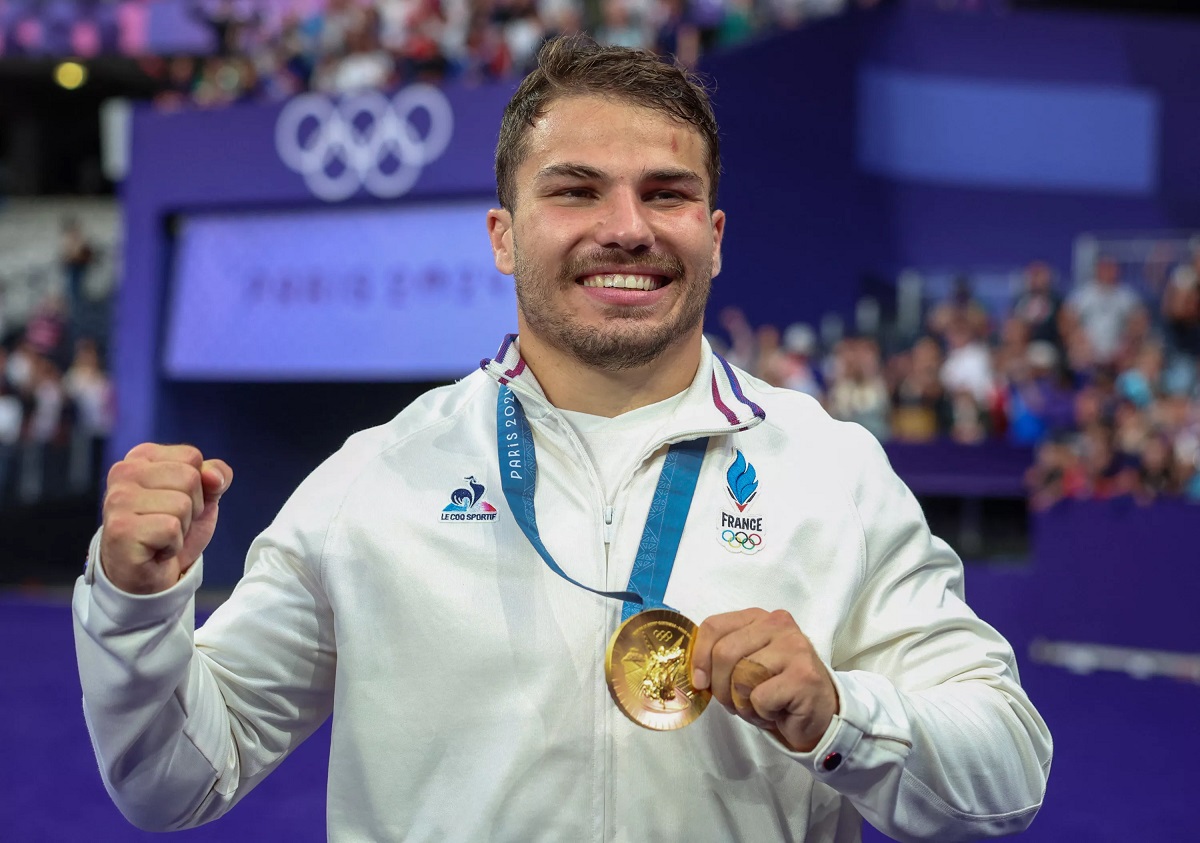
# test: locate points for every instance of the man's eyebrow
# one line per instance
(674, 174)
(567, 170)
(668, 175)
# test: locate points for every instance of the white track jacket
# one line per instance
(466, 680)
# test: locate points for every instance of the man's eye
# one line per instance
(665, 196)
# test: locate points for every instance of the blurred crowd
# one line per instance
(56, 398)
(1102, 382)
(344, 46)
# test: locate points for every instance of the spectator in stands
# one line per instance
(18, 369)
(225, 81)
(487, 52)
(1056, 474)
(1039, 304)
(76, 256)
(743, 347)
(45, 428)
(770, 352)
(47, 330)
(363, 64)
(620, 27)
(921, 409)
(423, 58)
(564, 17)
(1181, 308)
(740, 24)
(1010, 356)
(968, 419)
(1039, 402)
(968, 366)
(1177, 416)
(336, 22)
(228, 24)
(676, 34)
(523, 30)
(1142, 382)
(12, 415)
(960, 311)
(859, 392)
(1107, 476)
(1131, 429)
(180, 83)
(90, 392)
(797, 361)
(1101, 311)
(1157, 473)
(707, 16)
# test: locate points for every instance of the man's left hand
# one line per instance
(762, 666)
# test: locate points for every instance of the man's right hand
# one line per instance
(160, 512)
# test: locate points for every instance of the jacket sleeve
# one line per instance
(184, 725)
(935, 739)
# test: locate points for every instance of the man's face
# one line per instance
(1108, 272)
(611, 240)
(1038, 277)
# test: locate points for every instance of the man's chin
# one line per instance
(620, 350)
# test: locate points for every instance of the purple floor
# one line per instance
(1123, 770)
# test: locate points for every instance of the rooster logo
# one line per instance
(469, 499)
(741, 481)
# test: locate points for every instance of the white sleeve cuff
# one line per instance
(855, 739)
(131, 611)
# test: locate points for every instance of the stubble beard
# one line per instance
(627, 339)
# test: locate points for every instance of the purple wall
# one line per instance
(1115, 572)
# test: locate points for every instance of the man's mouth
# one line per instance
(625, 282)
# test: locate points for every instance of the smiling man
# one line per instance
(491, 593)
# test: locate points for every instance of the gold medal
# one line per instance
(649, 670)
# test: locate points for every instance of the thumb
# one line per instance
(215, 477)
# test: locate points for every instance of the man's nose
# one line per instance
(624, 223)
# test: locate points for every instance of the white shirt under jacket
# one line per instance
(466, 680)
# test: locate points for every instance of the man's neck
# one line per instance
(572, 385)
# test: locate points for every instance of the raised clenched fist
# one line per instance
(160, 512)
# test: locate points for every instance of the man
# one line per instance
(1101, 311)
(1038, 305)
(407, 585)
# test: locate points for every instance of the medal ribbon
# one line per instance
(664, 523)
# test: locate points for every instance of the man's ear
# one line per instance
(718, 224)
(499, 222)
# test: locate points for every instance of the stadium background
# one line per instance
(175, 266)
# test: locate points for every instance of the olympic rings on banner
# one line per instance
(742, 540)
(364, 141)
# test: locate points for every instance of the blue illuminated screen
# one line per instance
(407, 292)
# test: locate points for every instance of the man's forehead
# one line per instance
(582, 129)
(565, 113)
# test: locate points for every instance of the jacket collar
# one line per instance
(716, 401)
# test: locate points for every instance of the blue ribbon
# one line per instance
(664, 523)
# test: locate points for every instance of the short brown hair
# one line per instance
(576, 66)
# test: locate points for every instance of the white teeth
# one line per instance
(626, 282)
